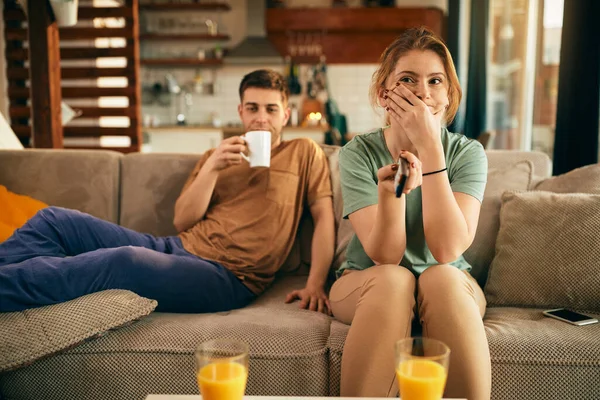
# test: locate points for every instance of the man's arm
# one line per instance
(313, 295)
(191, 206)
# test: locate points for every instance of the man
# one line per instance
(236, 227)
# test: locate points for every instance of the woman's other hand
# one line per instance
(420, 121)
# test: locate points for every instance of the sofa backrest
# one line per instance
(150, 185)
(299, 260)
(86, 180)
(542, 166)
(139, 190)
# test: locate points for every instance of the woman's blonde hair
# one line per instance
(417, 39)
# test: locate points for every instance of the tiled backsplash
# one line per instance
(348, 85)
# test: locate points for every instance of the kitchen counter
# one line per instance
(226, 129)
(200, 138)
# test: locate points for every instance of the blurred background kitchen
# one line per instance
(190, 87)
(194, 53)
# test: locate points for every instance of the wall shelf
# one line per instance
(208, 6)
(192, 62)
(347, 35)
(184, 36)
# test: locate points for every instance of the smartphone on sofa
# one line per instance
(571, 317)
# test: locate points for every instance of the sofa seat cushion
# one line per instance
(530, 353)
(337, 338)
(288, 356)
(274, 297)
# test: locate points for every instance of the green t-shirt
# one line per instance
(361, 158)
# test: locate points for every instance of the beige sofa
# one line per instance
(293, 352)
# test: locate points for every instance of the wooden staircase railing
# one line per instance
(80, 73)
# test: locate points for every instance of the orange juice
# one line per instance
(222, 381)
(421, 380)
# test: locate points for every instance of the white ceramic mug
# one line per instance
(259, 148)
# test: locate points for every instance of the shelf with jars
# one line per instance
(168, 38)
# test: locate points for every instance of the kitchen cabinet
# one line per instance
(344, 35)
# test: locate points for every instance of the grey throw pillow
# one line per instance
(547, 252)
(481, 252)
(39, 332)
(581, 180)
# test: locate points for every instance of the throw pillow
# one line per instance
(481, 252)
(547, 252)
(581, 180)
(16, 210)
(29, 335)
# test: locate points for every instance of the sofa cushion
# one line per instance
(537, 358)
(29, 335)
(288, 356)
(581, 180)
(335, 344)
(508, 177)
(547, 251)
(274, 298)
(85, 180)
(16, 210)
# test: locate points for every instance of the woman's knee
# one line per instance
(442, 278)
(390, 281)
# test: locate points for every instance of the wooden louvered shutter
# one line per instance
(99, 74)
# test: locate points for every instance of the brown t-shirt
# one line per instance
(254, 213)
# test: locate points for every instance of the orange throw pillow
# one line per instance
(16, 210)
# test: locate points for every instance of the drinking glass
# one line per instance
(421, 368)
(222, 369)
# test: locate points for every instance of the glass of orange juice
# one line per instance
(222, 369)
(421, 368)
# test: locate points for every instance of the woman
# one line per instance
(412, 244)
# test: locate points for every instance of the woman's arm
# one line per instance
(449, 219)
(381, 227)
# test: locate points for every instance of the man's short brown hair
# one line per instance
(265, 79)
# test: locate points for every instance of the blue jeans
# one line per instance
(61, 254)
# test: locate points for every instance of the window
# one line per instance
(546, 84)
(511, 69)
(524, 51)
